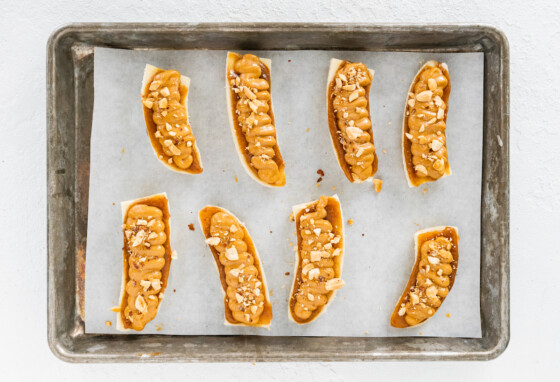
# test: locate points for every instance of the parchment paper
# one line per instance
(379, 245)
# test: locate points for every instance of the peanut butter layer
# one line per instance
(319, 228)
(246, 297)
(432, 278)
(146, 262)
(172, 133)
(350, 120)
(253, 119)
(425, 146)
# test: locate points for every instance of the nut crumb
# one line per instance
(320, 172)
(213, 240)
(421, 169)
(377, 185)
(288, 273)
(191, 227)
(424, 96)
(332, 284)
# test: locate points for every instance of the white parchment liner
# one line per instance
(380, 243)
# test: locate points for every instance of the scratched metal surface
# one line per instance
(70, 105)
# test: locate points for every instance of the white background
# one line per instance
(533, 31)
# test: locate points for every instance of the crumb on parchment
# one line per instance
(377, 185)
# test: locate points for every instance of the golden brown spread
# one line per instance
(172, 129)
(144, 230)
(432, 278)
(349, 93)
(249, 81)
(320, 253)
(426, 112)
(246, 299)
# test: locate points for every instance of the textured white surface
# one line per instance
(533, 31)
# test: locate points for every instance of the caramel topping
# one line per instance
(249, 80)
(173, 133)
(425, 123)
(318, 249)
(432, 281)
(144, 230)
(349, 92)
(245, 295)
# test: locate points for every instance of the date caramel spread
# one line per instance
(350, 120)
(164, 100)
(146, 261)
(432, 278)
(424, 141)
(246, 296)
(253, 120)
(319, 258)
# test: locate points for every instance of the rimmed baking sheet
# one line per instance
(379, 245)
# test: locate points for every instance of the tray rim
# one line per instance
(66, 353)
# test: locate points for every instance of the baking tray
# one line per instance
(70, 74)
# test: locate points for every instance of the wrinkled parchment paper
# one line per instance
(379, 245)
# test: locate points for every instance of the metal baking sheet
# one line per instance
(70, 78)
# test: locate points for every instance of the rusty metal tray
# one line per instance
(70, 72)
